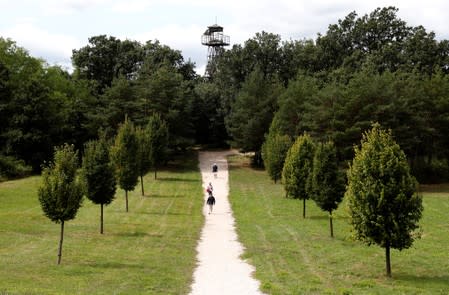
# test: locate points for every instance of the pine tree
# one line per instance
(327, 187)
(124, 155)
(382, 199)
(98, 174)
(297, 170)
(61, 192)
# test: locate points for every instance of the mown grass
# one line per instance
(149, 250)
(293, 255)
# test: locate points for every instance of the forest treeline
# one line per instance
(363, 69)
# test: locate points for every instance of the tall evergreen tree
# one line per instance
(327, 187)
(382, 199)
(61, 192)
(98, 174)
(124, 155)
(297, 170)
(253, 111)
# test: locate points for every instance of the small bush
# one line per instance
(11, 168)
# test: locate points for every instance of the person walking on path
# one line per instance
(215, 169)
(210, 189)
(211, 202)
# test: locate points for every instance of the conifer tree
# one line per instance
(98, 174)
(327, 187)
(382, 199)
(124, 155)
(297, 170)
(61, 192)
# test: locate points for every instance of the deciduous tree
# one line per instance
(98, 174)
(61, 192)
(382, 199)
(327, 187)
(159, 136)
(274, 151)
(297, 170)
(124, 155)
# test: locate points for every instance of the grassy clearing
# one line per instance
(293, 255)
(150, 250)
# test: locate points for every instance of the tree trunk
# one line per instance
(304, 208)
(387, 258)
(101, 219)
(330, 224)
(141, 185)
(60, 242)
(126, 197)
(155, 173)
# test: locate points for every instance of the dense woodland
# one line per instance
(364, 69)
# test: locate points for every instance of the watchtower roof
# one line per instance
(213, 29)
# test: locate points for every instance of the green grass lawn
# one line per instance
(293, 255)
(149, 250)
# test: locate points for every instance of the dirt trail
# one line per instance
(220, 269)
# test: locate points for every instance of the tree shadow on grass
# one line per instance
(317, 217)
(177, 179)
(115, 265)
(160, 213)
(156, 196)
(424, 280)
(137, 234)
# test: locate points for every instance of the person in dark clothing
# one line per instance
(215, 169)
(211, 202)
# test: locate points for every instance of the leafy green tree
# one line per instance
(288, 119)
(124, 155)
(144, 153)
(297, 170)
(61, 192)
(274, 151)
(117, 101)
(166, 92)
(31, 102)
(107, 58)
(382, 199)
(159, 139)
(327, 187)
(98, 174)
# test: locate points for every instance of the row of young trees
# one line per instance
(134, 152)
(382, 194)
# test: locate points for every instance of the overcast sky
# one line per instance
(50, 29)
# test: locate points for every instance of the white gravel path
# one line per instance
(220, 269)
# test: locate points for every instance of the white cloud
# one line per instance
(54, 48)
(131, 6)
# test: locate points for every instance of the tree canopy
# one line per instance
(363, 68)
